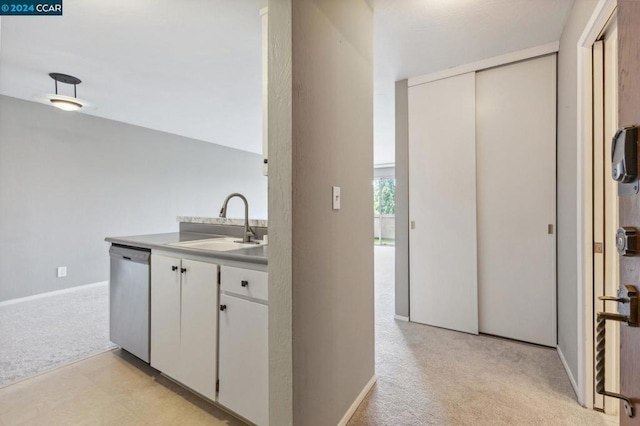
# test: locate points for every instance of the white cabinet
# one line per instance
(244, 357)
(165, 314)
(184, 321)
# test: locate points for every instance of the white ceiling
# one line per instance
(191, 68)
(417, 37)
(195, 70)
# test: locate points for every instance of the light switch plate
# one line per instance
(336, 197)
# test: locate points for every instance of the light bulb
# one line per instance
(65, 104)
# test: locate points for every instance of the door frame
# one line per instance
(596, 24)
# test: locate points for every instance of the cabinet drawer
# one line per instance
(244, 282)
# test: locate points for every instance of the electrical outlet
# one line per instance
(62, 271)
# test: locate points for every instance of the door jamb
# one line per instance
(603, 11)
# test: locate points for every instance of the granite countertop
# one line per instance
(222, 221)
(255, 254)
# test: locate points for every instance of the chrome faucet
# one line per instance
(248, 232)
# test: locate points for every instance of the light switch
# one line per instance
(336, 197)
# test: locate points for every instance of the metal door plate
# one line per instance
(630, 188)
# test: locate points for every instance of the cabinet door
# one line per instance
(198, 354)
(165, 314)
(244, 359)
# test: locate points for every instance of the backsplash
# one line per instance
(222, 221)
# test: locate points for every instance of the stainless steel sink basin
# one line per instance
(218, 244)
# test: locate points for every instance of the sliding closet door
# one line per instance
(516, 181)
(442, 204)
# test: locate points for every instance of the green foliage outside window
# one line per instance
(384, 196)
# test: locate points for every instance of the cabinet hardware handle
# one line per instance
(174, 268)
(244, 283)
(223, 307)
(183, 270)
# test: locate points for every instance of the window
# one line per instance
(384, 211)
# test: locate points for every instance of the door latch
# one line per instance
(628, 312)
(598, 247)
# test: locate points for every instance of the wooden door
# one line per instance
(516, 184)
(165, 314)
(629, 215)
(199, 325)
(244, 358)
(442, 206)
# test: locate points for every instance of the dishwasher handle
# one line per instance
(130, 254)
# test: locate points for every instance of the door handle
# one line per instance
(630, 316)
(614, 299)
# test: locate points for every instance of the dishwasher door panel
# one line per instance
(129, 306)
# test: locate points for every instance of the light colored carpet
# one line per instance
(41, 334)
(432, 376)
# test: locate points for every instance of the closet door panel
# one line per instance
(442, 206)
(516, 184)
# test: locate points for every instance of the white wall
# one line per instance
(280, 206)
(333, 321)
(567, 182)
(69, 180)
(326, 140)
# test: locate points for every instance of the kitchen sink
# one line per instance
(219, 244)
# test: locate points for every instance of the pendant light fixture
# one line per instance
(66, 103)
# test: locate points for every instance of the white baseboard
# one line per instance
(52, 293)
(569, 373)
(351, 411)
(401, 318)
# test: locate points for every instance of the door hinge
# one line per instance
(550, 229)
(217, 385)
(598, 247)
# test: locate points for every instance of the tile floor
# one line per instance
(113, 388)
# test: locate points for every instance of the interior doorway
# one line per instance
(605, 206)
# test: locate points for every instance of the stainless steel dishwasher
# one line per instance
(129, 296)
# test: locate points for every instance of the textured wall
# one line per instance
(333, 322)
(567, 182)
(69, 180)
(280, 225)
